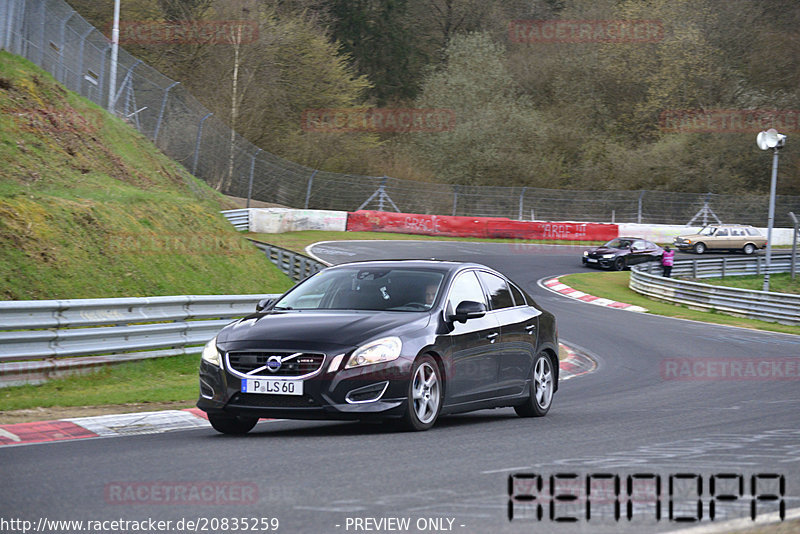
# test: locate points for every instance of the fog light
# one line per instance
(369, 393)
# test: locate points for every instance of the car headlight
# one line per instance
(585, 252)
(608, 256)
(378, 351)
(211, 354)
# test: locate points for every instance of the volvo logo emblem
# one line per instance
(273, 364)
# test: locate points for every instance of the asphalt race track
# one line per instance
(628, 417)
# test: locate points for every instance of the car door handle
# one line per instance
(531, 328)
(492, 337)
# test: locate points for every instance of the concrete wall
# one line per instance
(279, 220)
(665, 233)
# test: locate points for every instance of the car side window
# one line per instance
(465, 287)
(519, 298)
(639, 244)
(499, 294)
(722, 232)
(753, 231)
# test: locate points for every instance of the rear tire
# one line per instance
(542, 384)
(425, 395)
(232, 424)
(749, 248)
(699, 248)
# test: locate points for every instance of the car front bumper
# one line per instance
(325, 395)
(599, 262)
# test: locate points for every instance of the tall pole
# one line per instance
(112, 82)
(771, 216)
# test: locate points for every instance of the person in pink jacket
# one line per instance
(667, 260)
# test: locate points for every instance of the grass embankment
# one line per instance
(614, 285)
(90, 208)
(778, 283)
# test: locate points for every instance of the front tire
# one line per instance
(542, 386)
(749, 248)
(425, 394)
(232, 424)
(699, 248)
(620, 264)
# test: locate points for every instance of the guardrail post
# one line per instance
(161, 110)
(197, 142)
(252, 169)
(758, 265)
(639, 211)
(724, 266)
(694, 269)
(794, 242)
(308, 189)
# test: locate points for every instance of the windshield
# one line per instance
(618, 243)
(708, 230)
(383, 289)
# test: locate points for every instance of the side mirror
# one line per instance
(263, 304)
(469, 309)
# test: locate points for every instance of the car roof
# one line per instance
(442, 265)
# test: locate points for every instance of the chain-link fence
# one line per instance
(52, 35)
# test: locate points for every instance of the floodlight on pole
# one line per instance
(766, 140)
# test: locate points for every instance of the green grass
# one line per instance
(298, 241)
(614, 285)
(156, 380)
(779, 283)
(90, 208)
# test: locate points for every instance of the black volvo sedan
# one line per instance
(403, 340)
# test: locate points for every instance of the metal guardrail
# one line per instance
(762, 305)
(240, 219)
(722, 267)
(33, 329)
(81, 333)
(295, 266)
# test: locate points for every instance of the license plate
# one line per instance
(591, 260)
(272, 387)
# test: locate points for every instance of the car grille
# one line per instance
(272, 401)
(300, 365)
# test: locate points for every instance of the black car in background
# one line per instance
(405, 340)
(622, 252)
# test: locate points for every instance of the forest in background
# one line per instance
(567, 115)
